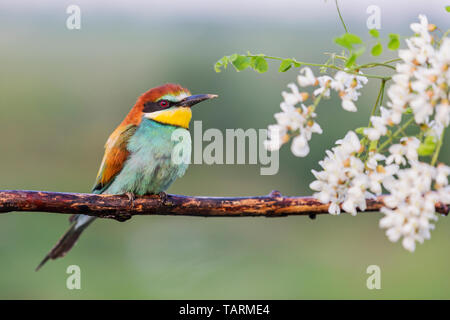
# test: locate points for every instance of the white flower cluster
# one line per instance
(347, 181)
(345, 84)
(297, 122)
(293, 121)
(404, 151)
(350, 174)
(410, 207)
(421, 84)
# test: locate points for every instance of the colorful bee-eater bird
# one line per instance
(138, 153)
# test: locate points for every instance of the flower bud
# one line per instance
(304, 95)
(347, 163)
(381, 169)
(431, 27)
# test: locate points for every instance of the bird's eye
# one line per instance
(164, 103)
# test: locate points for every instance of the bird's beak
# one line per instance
(192, 100)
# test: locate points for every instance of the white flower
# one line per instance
(294, 97)
(435, 129)
(407, 148)
(410, 207)
(299, 146)
(350, 143)
(419, 51)
(422, 28)
(323, 83)
(411, 143)
(306, 78)
(422, 79)
(310, 128)
(342, 179)
(356, 194)
(442, 173)
(348, 105)
(361, 80)
(289, 118)
(396, 154)
(346, 85)
(378, 173)
(443, 113)
(420, 102)
(399, 95)
(342, 80)
(293, 122)
(373, 159)
(444, 51)
(379, 125)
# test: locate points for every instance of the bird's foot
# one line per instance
(163, 196)
(131, 197)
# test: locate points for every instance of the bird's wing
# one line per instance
(116, 154)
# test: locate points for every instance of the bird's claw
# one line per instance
(131, 197)
(163, 196)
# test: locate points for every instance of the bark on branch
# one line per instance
(119, 207)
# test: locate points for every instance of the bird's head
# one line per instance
(169, 104)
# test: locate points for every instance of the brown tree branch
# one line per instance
(119, 207)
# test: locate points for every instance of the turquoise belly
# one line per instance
(150, 168)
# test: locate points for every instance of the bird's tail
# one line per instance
(68, 240)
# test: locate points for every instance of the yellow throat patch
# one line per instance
(179, 116)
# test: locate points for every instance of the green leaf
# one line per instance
(394, 42)
(352, 38)
(343, 43)
(426, 148)
(447, 8)
(221, 63)
(394, 36)
(233, 57)
(241, 62)
(260, 64)
(377, 49)
(285, 65)
(374, 33)
(351, 61)
(347, 40)
(408, 110)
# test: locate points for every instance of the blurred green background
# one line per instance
(62, 93)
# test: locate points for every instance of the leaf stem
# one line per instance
(396, 133)
(377, 102)
(379, 64)
(393, 60)
(374, 76)
(376, 64)
(317, 99)
(438, 148)
(340, 16)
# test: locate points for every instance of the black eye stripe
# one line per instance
(154, 106)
